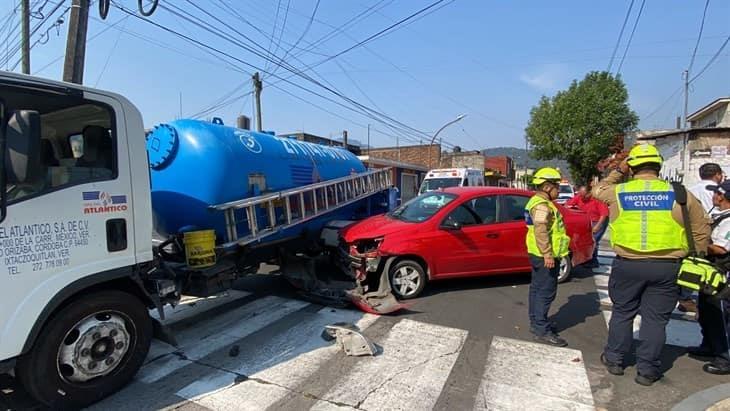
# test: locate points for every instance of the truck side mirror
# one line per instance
(23, 148)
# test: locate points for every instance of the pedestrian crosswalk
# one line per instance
(682, 329)
(267, 353)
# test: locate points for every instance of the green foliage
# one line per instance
(580, 124)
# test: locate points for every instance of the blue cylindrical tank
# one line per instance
(196, 164)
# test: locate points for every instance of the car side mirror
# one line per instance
(450, 225)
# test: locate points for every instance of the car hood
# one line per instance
(375, 227)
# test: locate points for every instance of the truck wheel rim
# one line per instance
(406, 281)
(94, 347)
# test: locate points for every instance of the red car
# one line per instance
(455, 232)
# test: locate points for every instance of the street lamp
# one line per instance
(459, 117)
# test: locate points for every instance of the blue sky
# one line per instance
(489, 59)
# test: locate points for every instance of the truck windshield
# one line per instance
(422, 207)
(436, 183)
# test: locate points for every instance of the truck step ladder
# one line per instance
(274, 212)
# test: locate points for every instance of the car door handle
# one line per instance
(492, 235)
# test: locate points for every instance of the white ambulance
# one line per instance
(451, 177)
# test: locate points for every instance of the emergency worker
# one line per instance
(547, 243)
(714, 313)
(648, 237)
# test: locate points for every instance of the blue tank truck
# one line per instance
(267, 199)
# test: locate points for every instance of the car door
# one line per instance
(474, 248)
(512, 231)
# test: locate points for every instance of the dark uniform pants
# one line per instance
(543, 287)
(714, 318)
(647, 287)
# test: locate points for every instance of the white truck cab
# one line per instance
(451, 177)
(75, 233)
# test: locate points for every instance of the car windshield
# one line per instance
(566, 189)
(422, 207)
(435, 183)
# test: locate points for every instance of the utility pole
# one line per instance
(368, 139)
(73, 66)
(344, 139)
(257, 95)
(685, 75)
(25, 36)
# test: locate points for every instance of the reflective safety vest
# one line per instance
(644, 223)
(558, 236)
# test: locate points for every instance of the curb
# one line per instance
(703, 400)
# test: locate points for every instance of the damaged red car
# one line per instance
(456, 232)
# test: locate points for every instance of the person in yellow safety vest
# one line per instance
(648, 237)
(547, 243)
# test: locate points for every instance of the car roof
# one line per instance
(486, 190)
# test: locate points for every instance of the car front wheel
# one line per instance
(407, 279)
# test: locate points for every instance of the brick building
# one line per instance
(461, 159)
(420, 155)
(499, 171)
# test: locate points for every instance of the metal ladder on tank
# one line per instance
(298, 205)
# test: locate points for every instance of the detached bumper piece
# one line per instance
(350, 339)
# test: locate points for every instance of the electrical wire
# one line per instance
(712, 60)
(664, 103)
(111, 52)
(296, 43)
(699, 37)
(631, 37)
(226, 37)
(620, 35)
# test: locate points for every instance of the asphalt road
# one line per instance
(464, 345)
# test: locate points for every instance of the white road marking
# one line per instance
(601, 280)
(522, 375)
(191, 306)
(603, 297)
(198, 341)
(276, 370)
(679, 332)
(409, 374)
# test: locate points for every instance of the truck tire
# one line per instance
(407, 279)
(88, 350)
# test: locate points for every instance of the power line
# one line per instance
(631, 37)
(664, 103)
(296, 43)
(273, 32)
(712, 60)
(111, 52)
(281, 32)
(620, 35)
(363, 110)
(699, 37)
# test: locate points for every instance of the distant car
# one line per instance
(565, 193)
(451, 177)
(454, 232)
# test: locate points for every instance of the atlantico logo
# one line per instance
(98, 202)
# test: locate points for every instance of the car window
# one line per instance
(486, 208)
(463, 215)
(512, 208)
(422, 207)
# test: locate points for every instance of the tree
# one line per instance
(581, 124)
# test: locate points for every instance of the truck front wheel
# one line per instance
(88, 350)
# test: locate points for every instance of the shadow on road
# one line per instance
(577, 310)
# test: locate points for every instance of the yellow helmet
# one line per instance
(546, 174)
(642, 154)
